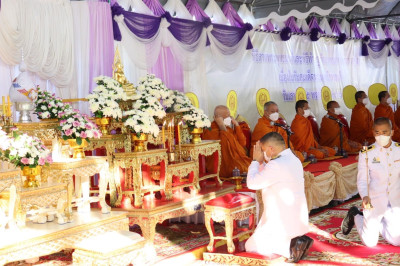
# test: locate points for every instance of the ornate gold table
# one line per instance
(133, 184)
(46, 130)
(177, 177)
(110, 143)
(9, 177)
(82, 169)
(205, 148)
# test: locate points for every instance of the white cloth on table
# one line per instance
(285, 214)
(384, 190)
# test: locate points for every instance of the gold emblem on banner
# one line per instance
(231, 102)
(193, 99)
(348, 96)
(373, 92)
(394, 93)
(262, 97)
(326, 96)
(301, 94)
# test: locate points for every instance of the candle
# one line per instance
(163, 135)
(169, 137)
(4, 106)
(179, 133)
(9, 105)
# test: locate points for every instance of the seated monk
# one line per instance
(330, 131)
(303, 137)
(397, 115)
(384, 110)
(361, 121)
(271, 115)
(232, 141)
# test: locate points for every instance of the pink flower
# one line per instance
(25, 160)
(76, 123)
(88, 126)
(49, 159)
(96, 134)
(68, 132)
(83, 135)
(42, 161)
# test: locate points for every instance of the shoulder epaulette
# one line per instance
(397, 144)
(369, 148)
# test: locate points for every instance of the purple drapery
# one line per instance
(371, 31)
(232, 16)
(185, 31)
(169, 70)
(396, 47)
(155, 7)
(375, 45)
(269, 26)
(291, 23)
(335, 26)
(354, 29)
(386, 30)
(196, 11)
(101, 55)
(314, 25)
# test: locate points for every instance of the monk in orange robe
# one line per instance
(227, 130)
(384, 110)
(303, 137)
(330, 131)
(271, 115)
(397, 116)
(361, 121)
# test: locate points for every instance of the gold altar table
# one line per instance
(133, 185)
(10, 177)
(36, 240)
(181, 171)
(45, 130)
(205, 148)
(82, 169)
(110, 143)
(156, 211)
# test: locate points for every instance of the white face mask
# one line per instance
(228, 121)
(274, 116)
(389, 100)
(307, 113)
(365, 101)
(266, 157)
(337, 111)
(382, 140)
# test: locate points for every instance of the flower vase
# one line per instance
(196, 135)
(139, 142)
(104, 124)
(78, 149)
(31, 174)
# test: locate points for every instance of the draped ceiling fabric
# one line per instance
(44, 38)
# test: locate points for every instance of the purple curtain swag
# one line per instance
(185, 31)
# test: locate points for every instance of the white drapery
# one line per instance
(215, 13)
(41, 31)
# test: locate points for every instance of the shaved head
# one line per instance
(330, 106)
(273, 139)
(269, 108)
(222, 111)
(269, 104)
(383, 121)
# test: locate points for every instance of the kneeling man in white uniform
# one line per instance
(378, 183)
(285, 216)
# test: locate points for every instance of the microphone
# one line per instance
(335, 119)
(285, 127)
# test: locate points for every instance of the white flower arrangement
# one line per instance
(149, 104)
(153, 86)
(103, 101)
(195, 118)
(74, 125)
(141, 122)
(177, 102)
(25, 150)
(48, 106)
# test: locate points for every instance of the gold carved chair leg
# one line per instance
(210, 228)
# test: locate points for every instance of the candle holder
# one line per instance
(7, 123)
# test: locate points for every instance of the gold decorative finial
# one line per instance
(118, 75)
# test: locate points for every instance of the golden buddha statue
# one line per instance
(118, 75)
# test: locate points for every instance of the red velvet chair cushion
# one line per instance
(230, 201)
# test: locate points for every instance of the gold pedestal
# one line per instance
(104, 124)
(78, 149)
(31, 174)
(139, 142)
(196, 135)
